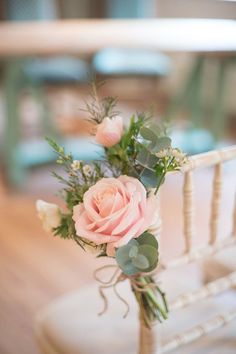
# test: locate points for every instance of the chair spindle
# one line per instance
(188, 209)
(215, 203)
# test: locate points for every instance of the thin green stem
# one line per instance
(160, 182)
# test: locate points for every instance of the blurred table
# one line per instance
(75, 37)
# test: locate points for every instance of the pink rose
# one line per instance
(114, 211)
(110, 131)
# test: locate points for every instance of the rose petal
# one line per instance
(98, 238)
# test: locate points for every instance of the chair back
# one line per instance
(215, 243)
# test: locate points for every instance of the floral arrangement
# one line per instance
(112, 204)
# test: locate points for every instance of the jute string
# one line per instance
(147, 336)
(148, 339)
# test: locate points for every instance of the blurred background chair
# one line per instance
(193, 99)
(127, 62)
(198, 112)
(34, 75)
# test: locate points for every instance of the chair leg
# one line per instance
(14, 170)
(2, 186)
(38, 91)
(181, 100)
(195, 99)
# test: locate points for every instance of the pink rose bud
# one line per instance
(110, 131)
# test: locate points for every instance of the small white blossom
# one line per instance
(178, 154)
(87, 170)
(76, 165)
(180, 157)
(161, 154)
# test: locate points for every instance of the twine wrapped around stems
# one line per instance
(148, 339)
(117, 277)
(140, 285)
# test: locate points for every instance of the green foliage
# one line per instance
(137, 153)
(75, 183)
(148, 239)
(139, 255)
(99, 109)
(148, 134)
(66, 230)
(151, 300)
(161, 143)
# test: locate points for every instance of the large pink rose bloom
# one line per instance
(114, 211)
(110, 131)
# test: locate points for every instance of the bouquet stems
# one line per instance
(152, 308)
(151, 300)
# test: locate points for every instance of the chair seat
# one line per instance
(125, 61)
(221, 264)
(60, 69)
(71, 325)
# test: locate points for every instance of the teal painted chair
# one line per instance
(208, 119)
(127, 62)
(33, 75)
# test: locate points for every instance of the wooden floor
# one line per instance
(35, 268)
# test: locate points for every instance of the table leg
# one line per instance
(219, 117)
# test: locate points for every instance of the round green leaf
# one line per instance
(149, 178)
(148, 239)
(148, 134)
(141, 262)
(155, 128)
(129, 269)
(133, 251)
(151, 254)
(124, 260)
(161, 143)
(122, 255)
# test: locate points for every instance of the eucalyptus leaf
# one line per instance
(149, 178)
(129, 269)
(155, 128)
(132, 242)
(141, 262)
(148, 239)
(124, 260)
(122, 255)
(148, 134)
(143, 156)
(133, 252)
(151, 254)
(161, 144)
(147, 159)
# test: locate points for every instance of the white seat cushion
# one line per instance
(70, 325)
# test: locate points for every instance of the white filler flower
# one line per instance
(49, 214)
(76, 164)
